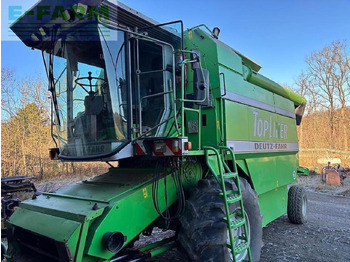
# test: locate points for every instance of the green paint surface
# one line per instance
(273, 204)
(272, 126)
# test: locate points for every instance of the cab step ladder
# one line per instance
(215, 159)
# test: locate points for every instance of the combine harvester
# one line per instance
(205, 145)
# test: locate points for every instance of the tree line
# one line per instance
(26, 132)
(324, 132)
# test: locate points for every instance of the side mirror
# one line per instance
(299, 112)
(200, 80)
(201, 86)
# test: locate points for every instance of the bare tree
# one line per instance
(341, 78)
(34, 90)
(25, 131)
(25, 123)
(9, 89)
(325, 83)
(16, 94)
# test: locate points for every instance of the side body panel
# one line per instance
(257, 123)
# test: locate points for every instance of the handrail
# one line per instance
(182, 100)
(161, 123)
(224, 81)
(222, 148)
(153, 95)
(152, 71)
(216, 152)
(202, 25)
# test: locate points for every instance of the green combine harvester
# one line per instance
(204, 144)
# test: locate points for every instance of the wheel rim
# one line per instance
(239, 232)
(304, 206)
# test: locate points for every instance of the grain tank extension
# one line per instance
(205, 145)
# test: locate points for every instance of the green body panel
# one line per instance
(141, 213)
(54, 227)
(273, 204)
(283, 103)
(210, 132)
(253, 115)
(66, 207)
(272, 128)
(235, 84)
(269, 173)
(79, 215)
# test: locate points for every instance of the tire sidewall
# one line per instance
(200, 251)
(297, 201)
(252, 209)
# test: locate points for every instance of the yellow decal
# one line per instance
(218, 125)
(283, 198)
(144, 191)
(190, 34)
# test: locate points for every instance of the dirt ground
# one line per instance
(325, 236)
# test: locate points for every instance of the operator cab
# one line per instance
(112, 79)
(89, 113)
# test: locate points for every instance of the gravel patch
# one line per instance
(325, 236)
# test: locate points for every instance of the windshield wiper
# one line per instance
(54, 100)
(60, 75)
(52, 83)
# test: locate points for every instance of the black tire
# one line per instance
(203, 233)
(297, 205)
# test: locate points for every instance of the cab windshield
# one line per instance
(89, 94)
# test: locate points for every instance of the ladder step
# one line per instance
(233, 198)
(238, 222)
(240, 248)
(216, 162)
(230, 192)
(230, 175)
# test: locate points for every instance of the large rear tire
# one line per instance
(204, 234)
